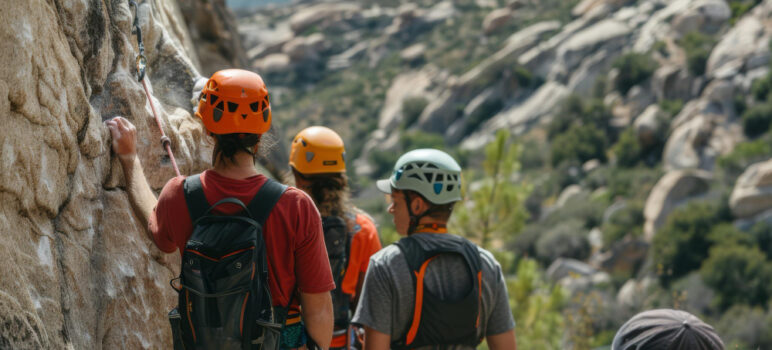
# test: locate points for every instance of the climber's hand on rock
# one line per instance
(124, 138)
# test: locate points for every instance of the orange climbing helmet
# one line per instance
(235, 101)
(318, 150)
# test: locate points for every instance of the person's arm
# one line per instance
(142, 198)
(317, 315)
(375, 340)
(502, 341)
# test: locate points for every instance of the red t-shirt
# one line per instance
(294, 240)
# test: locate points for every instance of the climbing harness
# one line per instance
(141, 64)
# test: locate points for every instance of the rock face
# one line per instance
(752, 193)
(212, 27)
(671, 191)
(496, 19)
(77, 270)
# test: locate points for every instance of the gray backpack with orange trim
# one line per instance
(224, 299)
(438, 322)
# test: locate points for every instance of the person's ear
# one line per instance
(417, 204)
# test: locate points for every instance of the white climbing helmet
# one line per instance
(432, 173)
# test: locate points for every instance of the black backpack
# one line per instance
(337, 240)
(224, 299)
(441, 323)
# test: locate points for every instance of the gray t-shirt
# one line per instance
(388, 295)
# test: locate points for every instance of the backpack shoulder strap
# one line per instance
(194, 197)
(265, 199)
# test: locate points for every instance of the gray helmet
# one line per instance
(666, 329)
(432, 173)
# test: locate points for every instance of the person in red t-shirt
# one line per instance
(299, 269)
(318, 163)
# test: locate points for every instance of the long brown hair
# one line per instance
(330, 194)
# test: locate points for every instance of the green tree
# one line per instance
(697, 47)
(537, 308)
(681, 245)
(496, 210)
(739, 275)
(634, 68)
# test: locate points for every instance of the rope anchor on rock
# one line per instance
(141, 65)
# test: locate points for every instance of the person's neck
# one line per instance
(429, 224)
(242, 167)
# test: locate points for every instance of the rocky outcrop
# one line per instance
(496, 19)
(702, 15)
(752, 193)
(671, 191)
(322, 14)
(212, 27)
(745, 46)
(77, 270)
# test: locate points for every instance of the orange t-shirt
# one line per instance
(294, 240)
(364, 243)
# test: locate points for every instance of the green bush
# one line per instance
(412, 108)
(671, 107)
(761, 87)
(683, 242)
(628, 220)
(627, 150)
(743, 327)
(487, 110)
(762, 235)
(537, 308)
(698, 47)
(757, 120)
(581, 143)
(567, 240)
(576, 110)
(745, 154)
(738, 274)
(740, 7)
(634, 68)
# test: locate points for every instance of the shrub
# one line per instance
(567, 240)
(743, 327)
(487, 110)
(761, 87)
(671, 107)
(634, 68)
(739, 275)
(627, 149)
(757, 120)
(627, 220)
(745, 154)
(412, 108)
(740, 7)
(537, 307)
(575, 110)
(762, 235)
(682, 243)
(581, 143)
(698, 47)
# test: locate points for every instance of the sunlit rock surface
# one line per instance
(76, 270)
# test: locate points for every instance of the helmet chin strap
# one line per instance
(414, 219)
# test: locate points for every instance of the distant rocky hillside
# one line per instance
(644, 127)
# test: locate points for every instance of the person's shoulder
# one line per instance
(386, 256)
(489, 261)
(294, 196)
(362, 217)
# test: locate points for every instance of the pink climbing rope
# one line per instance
(165, 141)
(141, 64)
